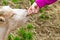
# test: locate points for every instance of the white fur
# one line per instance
(12, 23)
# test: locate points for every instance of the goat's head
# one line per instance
(11, 19)
(5, 15)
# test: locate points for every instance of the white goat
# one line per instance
(10, 19)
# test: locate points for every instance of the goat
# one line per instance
(10, 19)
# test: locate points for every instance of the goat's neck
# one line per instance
(2, 32)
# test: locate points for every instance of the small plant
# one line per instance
(22, 32)
(10, 37)
(26, 34)
(4, 2)
(32, 1)
(29, 26)
(15, 1)
(46, 7)
(41, 10)
(17, 6)
(16, 38)
(43, 16)
(29, 36)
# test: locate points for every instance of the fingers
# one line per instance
(30, 11)
(33, 9)
(36, 10)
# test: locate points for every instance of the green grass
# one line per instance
(22, 33)
(29, 36)
(41, 10)
(43, 16)
(15, 1)
(29, 26)
(4, 2)
(46, 7)
(10, 37)
(32, 1)
(16, 38)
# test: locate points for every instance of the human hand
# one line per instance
(33, 9)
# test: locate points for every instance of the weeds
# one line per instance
(12, 2)
(15, 1)
(10, 37)
(23, 34)
(41, 10)
(46, 7)
(43, 16)
(4, 2)
(32, 1)
(16, 38)
(29, 26)
(29, 36)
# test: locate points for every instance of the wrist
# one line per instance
(35, 4)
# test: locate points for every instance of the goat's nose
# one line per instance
(2, 19)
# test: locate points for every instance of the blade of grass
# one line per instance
(15, 1)
(29, 26)
(16, 38)
(4, 2)
(32, 1)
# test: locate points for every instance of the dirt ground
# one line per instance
(48, 29)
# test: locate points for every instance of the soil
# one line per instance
(48, 29)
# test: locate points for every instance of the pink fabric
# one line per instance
(42, 3)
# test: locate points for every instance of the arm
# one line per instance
(42, 3)
(39, 4)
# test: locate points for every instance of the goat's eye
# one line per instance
(2, 19)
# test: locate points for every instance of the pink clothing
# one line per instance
(42, 3)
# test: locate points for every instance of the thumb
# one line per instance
(29, 11)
